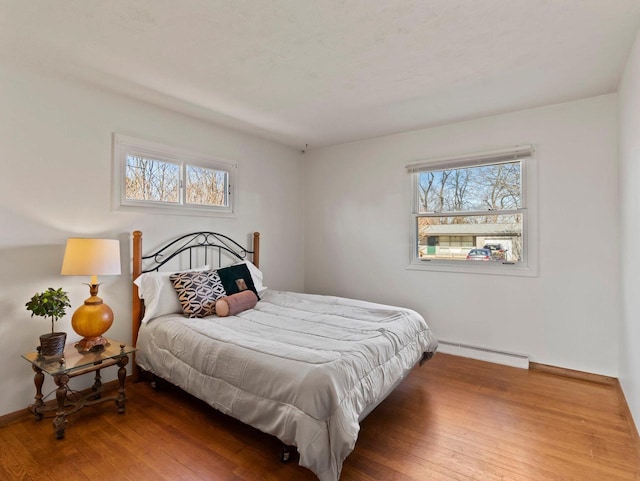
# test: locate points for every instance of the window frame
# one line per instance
(124, 146)
(527, 267)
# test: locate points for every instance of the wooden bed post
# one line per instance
(136, 311)
(256, 249)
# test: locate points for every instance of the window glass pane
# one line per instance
(207, 186)
(149, 179)
(496, 237)
(485, 187)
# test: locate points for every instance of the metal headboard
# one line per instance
(207, 242)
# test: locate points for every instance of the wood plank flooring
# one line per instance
(452, 419)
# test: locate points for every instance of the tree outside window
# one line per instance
(152, 175)
(465, 208)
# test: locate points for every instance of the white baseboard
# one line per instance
(484, 354)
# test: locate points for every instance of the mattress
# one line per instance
(301, 367)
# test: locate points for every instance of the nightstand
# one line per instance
(74, 364)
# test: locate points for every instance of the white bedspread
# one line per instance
(300, 367)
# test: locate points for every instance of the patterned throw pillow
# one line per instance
(198, 292)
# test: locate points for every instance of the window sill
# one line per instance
(474, 267)
(174, 210)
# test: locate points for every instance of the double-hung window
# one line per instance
(472, 213)
(157, 176)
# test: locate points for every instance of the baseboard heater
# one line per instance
(484, 354)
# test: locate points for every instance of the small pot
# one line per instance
(52, 344)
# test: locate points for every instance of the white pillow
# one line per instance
(256, 276)
(158, 293)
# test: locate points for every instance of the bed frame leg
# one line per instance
(426, 356)
(286, 452)
(155, 383)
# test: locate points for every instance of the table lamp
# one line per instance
(92, 257)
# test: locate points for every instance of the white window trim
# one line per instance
(124, 145)
(528, 267)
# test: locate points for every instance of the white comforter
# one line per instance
(301, 367)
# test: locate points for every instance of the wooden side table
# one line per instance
(73, 364)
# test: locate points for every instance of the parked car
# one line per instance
(497, 251)
(479, 255)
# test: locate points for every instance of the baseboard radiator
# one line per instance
(484, 354)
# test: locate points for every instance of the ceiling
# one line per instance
(322, 72)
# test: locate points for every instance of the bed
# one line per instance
(304, 368)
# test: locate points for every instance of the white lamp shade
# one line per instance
(91, 257)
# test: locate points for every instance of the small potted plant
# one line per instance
(51, 303)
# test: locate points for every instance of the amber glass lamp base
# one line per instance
(92, 320)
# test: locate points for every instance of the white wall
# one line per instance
(55, 142)
(358, 243)
(629, 127)
(55, 154)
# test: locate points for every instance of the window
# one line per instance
(152, 175)
(472, 213)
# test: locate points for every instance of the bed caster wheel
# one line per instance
(156, 383)
(285, 454)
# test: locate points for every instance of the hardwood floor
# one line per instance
(452, 419)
